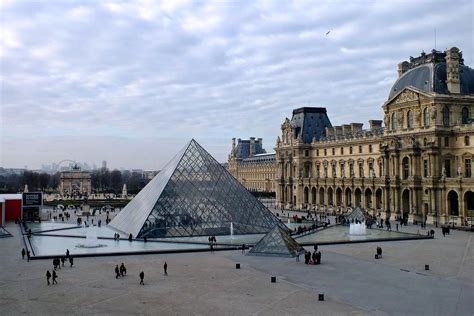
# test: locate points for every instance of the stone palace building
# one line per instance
(252, 165)
(417, 164)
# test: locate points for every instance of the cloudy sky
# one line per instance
(131, 82)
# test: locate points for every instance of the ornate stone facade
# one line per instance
(252, 166)
(418, 166)
(75, 182)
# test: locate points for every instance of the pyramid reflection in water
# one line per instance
(193, 195)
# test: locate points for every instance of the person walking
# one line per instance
(243, 248)
(142, 276)
(297, 256)
(48, 276)
(71, 261)
(55, 276)
(28, 255)
(63, 259)
(123, 270)
(67, 253)
(165, 268)
(23, 253)
(117, 272)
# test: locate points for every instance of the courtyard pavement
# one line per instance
(354, 283)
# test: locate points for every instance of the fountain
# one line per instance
(358, 229)
(91, 239)
(231, 230)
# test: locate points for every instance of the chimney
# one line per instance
(338, 130)
(346, 129)
(356, 127)
(453, 57)
(252, 146)
(402, 68)
(375, 124)
(233, 144)
(329, 131)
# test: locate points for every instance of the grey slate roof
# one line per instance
(431, 77)
(310, 122)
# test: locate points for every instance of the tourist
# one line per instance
(63, 259)
(313, 257)
(379, 252)
(432, 233)
(145, 239)
(297, 254)
(54, 263)
(318, 257)
(67, 253)
(123, 270)
(28, 255)
(55, 276)
(243, 248)
(117, 272)
(397, 226)
(130, 237)
(48, 276)
(142, 276)
(165, 268)
(212, 248)
(23, 253)
(71, 261)
(315, 247)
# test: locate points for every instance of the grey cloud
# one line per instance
(140, 75)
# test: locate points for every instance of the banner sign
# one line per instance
(33, 199)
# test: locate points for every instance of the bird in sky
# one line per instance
(328, 32)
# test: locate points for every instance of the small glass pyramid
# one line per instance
(276, 243)
(357, 214)
(193, 195)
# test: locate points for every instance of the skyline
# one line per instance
(132, 82)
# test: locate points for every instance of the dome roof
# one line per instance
(431, 77)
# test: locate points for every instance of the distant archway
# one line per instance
(368, 198)
(358, 197)
(338, 196)
(306, 195)
(330, 196)
(321, 196)
(378, 199)
(406, 203)
(313, 195)
(348, 197)
(453, 203)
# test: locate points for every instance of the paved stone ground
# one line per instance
(354, 283)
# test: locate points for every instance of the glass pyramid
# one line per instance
(276, 243)
(193, 195)
(357, 214)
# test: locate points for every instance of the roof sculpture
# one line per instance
(193, 195)
(278, 243)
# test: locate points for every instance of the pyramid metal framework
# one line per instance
(194, 195)
(357, 214)
(278, 243)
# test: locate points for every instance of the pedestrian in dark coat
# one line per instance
(23, 253)
(48, 276)
(142, 276)
(71, 261)
(117, 272)
(67, 253)
(55, 276)
(165, 268)
(63, 260)
(123, 270)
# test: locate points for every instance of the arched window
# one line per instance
(465, 115)
(394, 121)
(426, 117)
(446, 116)
(410, 119)
(406, 167)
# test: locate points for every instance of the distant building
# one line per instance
(104, 164)
(75, 182)
(252, 166)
